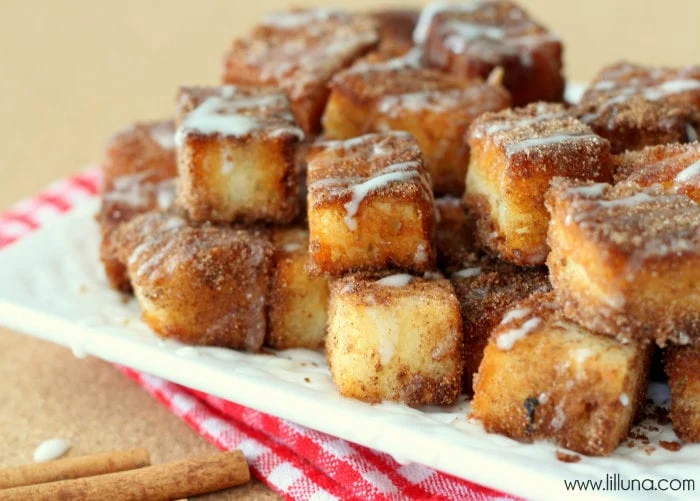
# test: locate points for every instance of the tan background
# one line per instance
(72, 72)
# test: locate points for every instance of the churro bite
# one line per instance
(139, 170)
(455, 242)
(298, 301)
(487, 288)
(470, 39)
(203, 285)
(299, 51)
(395, 29)
(674, 167)
(682, 365)
(625, 261)
(395, 337)
(434, 107)
(544, 376)
(634, 106)
(236, 154)
(370, 205)
(514, 155)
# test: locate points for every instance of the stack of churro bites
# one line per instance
(408, 191)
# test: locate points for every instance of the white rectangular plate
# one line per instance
(53, 286)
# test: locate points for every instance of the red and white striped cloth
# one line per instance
(296, 462)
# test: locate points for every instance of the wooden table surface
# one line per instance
(73, 72)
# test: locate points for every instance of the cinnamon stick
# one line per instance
(164, 482)
(76, 467)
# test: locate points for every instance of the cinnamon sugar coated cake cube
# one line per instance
(298, 303)
(636, 106)
(236, 154)
(472, 38)
(675, 167)
(682, 365)
(514, 155)
(370, 205)
(139, 175)
(486, 289)
(398, 94)
(299, 51)
(455, 232)
(544, 376)
(395, 337)
(204, 285)
(625, 260)
(395, 29)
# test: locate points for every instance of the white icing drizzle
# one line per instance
(671, 87)
(397, 280)
(297, 19)
(507, 339)
(165, 194)
(163, 134)
(291, 247)
(420, 32)
(467, 272)
(506, 126)
(548, 140)
(593, 190)
(515, 315)
(636, 199)
(559, 417)
(187, 352)
(219, 114)
(51, 449)
(395, 173)
(691, 133)
(543, 398)
(421, 254)
(689, 173)
(624, 399)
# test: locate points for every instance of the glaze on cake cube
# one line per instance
(139, 170)
(370, 205)
(514, 156)
(625, 261)
(202, 285)
(675, 167)
(455, 241)
(470, 39)
(635, 106)
(299, 51)
(298, 302)
(487, 288)
(236, 154)
(682, 364)
(397, 94)
(395, 337)
(544, 376)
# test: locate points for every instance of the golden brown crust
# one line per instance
(298, 302)
(514, 156)
(370, 205)
(682, 364)
(486, 289)
(675, 167)
(625, 260)
(544, 376)
(395, 337)
(472, 40)
(299, 51)
(242, 169)
(204, 285)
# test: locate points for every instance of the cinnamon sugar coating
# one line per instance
(544, 376)
(682, 365)
(203, 285)
(370, 205)
(470, 39)
(455, 235)
(625, 260)
(236, 156)
(486, 289)
(674, 167)
(395, 29)
(514, 156)
(395, 337)
(299, 51)
(397, 94)
(139, 170)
